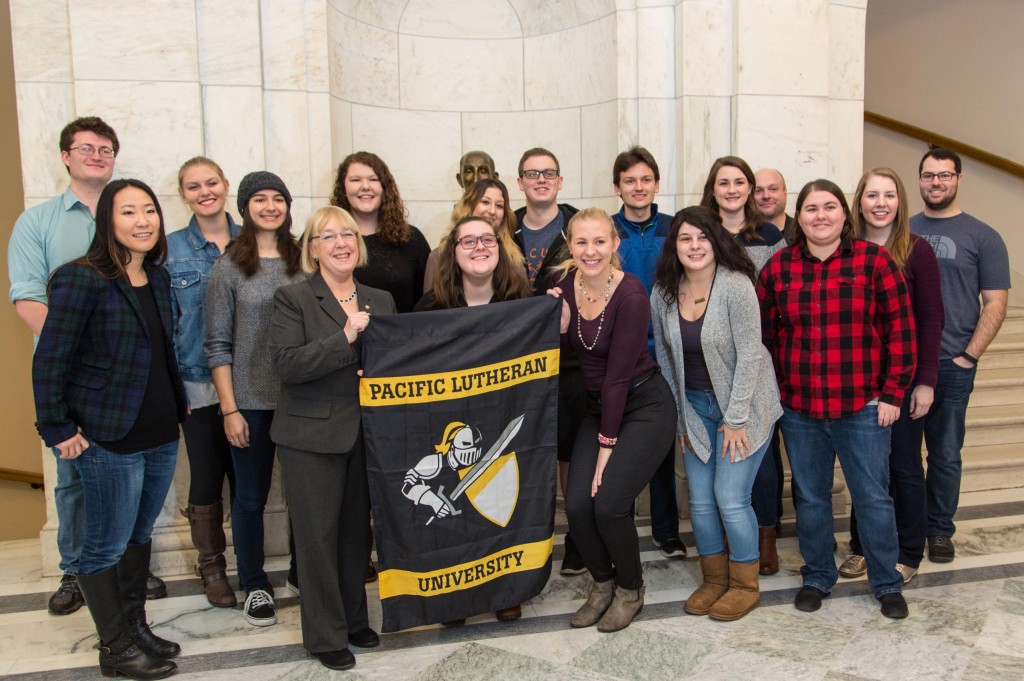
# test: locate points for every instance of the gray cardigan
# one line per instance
(746, 391)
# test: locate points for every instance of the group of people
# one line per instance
(704, 333)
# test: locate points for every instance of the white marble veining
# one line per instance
(318, 63)
(341, 129)
(287, 142)
(433, 218)
(444, 74)
(147, 41)
(384, 14)
(224, 59)
(589, 10)
(655, 57)
(705, 54)
(43, 109)
(846, 47)
(321, 161)
(788, 133)
(363, 61)
(657, 132)
(35, 23)
(233, 131)
(782, 48)
(599, 127)
(572, 67)
(283, 33)
(539, 17)
(479, 20)
(706, 134)
(626, 74)
(845, 161)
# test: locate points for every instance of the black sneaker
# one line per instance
(155, 587)
(671, 548)
(337, 659)
(941, 549)
(808, 598)
(894, 606)
(371, 574)
(292, 582)
(259, 608)
(572, 561)
(68, 597)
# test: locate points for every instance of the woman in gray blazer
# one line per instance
(707, 331)
(314, 341)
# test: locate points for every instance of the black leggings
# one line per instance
(602, 526)
(209, 457)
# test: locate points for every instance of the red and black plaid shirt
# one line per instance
(841, 331)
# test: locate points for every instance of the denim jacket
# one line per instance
(190, 258)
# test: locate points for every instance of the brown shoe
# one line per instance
(207, 525)
(769, 561)
(716, 582)
(509, 614)
(743, 594)
(627, 604)
(601, 595)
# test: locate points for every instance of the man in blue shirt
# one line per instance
(45, 237)
(642, 231)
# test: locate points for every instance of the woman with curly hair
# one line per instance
(397, 252)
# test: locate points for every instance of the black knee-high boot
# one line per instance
(119, 652)
(132, 572)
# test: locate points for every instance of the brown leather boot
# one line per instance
(207, 525)
(627, 604)
(743, 594)
(601, 595)
(769, 561)
(716, 582)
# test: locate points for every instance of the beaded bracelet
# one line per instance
(606, 441)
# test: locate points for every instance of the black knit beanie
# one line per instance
(259, 180)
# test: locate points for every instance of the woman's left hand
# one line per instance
(921, 401)
(888, 414)
(356, 324)
(735, 442)
(603, 454)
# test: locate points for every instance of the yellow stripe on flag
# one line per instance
(513, 559)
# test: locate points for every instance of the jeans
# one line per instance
(123, 495)
(863, 449)
(209, 456)
(906, 487)
(664, 508)
(944, 429)
(766, 495)
(254, 466)
(721, 486)
(68, 498)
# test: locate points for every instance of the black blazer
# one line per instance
(318, 410)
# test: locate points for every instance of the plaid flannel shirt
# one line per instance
(840, 331)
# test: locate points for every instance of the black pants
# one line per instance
(330, 516)
(209, 456)
(602, 526)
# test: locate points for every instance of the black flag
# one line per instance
(460, 418)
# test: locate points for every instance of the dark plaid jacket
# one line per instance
(92, 363)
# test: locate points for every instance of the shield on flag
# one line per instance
(495, 493)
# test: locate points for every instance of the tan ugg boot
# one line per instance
(601, 594)
(627, 604)
(743, 595)
(716, 582)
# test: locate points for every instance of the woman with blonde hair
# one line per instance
(314, 341)
(880, 215)
(630, 417)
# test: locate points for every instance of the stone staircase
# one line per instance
(993, 452)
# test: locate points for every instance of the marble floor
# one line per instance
(966, 622)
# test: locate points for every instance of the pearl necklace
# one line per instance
(349, 299)
(606, 294)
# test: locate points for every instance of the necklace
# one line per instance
(605, 294)
(349, 299)
(579, 330)
(696, 301)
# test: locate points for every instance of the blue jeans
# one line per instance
(721, 487)
(944, 429)
(766, 495)
(68, 498)
(254, 466)
(863, 449)
(123, 495)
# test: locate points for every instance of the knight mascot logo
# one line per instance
(489, 481)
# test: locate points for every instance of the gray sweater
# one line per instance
(746, 390)
(238, 328)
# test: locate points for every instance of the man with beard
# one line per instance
(973, 262)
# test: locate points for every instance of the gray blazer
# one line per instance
(318, 410)
(746, 390)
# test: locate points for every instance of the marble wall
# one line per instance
(294, 86)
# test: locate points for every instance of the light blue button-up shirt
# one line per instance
(44, 238)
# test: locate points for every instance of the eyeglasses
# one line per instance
(944, 176)
(329, 237)
(548, 173)
(88, 150)
(469, 242)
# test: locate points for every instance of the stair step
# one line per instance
(1005, 352)
(992, 467)
(993, 387)
(994, 425)
(1014, 322)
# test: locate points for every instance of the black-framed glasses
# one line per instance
(88, 150)
(547, 173)
(469, 242)
(944, 176)
(329, 237)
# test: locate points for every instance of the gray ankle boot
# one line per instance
(601, 594)
(627, 604)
